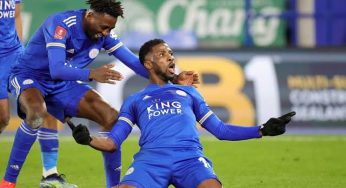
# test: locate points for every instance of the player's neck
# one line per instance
(154, 79)
(84, 22)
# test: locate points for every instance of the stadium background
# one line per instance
(256, 59)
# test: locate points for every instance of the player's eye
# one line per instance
(106, 28)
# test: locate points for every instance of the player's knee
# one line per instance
(35, 119)
(210, 183)
(126, 186)
(4, 121)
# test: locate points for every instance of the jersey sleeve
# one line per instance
(125, 123)
(200, 107)
(115, 47)
(215, 126)
(56, 34)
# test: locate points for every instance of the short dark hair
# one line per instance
(146, 48)
(110, 7)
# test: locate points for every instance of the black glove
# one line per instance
(81, 134)
(276, 126)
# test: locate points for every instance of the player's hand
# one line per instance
(81, 134)
(276, 126)
(105, 74)
(187, 78)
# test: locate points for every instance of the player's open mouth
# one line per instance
(171, 68)
(98, 35)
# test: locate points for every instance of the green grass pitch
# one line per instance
(286, 161)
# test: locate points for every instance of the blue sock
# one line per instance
(48, 139)
(24, 139)
(112, 165)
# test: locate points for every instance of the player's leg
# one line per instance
(147, 170)
(4, 113)
(49, 143)
(210, 183)
(4, 110)
(48, 134)
(79, 100)
(92, 106)
(48, 138)
(126, 186)
(4, 103)
(5, 66)
(32, 104)
(196, 172)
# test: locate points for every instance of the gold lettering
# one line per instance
(308, 82)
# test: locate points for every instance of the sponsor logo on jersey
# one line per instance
(27, 82)
(93, 53)
(7, 9)
(160, 108)
(60, 32)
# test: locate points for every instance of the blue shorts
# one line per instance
(158, 168)
(62, 97)
(6, 63)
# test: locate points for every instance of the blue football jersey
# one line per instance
(170, 147)
(166, 116)
(64, 31)
(9, 40)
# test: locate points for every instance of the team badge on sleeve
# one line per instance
(60, 32)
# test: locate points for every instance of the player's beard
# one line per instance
(92, 35)
(96, 37)
(164, 75)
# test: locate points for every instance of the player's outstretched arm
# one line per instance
(222, 131)
(229, 132)
(102, 144)
(276, 126)
(82, 136)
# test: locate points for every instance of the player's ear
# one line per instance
(89, 15)
(148, 64)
